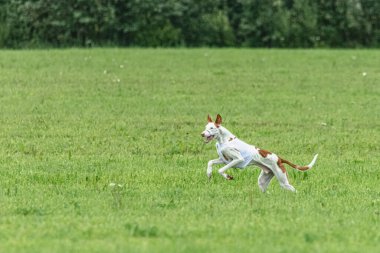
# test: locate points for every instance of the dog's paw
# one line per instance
(229, 177)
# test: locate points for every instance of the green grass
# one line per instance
(75, 121)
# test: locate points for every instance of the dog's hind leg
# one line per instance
(264, 180)
(282, 178)
(272, 162)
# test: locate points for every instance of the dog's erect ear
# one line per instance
(209, 118)
(218, 120)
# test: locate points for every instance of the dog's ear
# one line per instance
(209, 118)
(218, 120)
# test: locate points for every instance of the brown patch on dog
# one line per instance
(281, 165)
(231, 139)
(264, 153)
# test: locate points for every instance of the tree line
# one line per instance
(190, 23)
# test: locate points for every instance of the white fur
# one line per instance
(313, 161)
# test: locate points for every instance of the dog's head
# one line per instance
(212, 129)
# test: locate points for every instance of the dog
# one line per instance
(235, 153)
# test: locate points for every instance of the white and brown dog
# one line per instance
(235, 153)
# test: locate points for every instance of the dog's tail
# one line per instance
(302, 168)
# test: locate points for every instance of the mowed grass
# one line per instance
(101, 151)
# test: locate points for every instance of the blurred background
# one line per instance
(190, 23)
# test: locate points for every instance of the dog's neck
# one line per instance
(224, 136)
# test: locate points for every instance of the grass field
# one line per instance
(101, 151)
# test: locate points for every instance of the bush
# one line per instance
(167, 23)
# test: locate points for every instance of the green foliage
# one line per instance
(171, 23)
(3, 27)
(59, 23)
(149, 23)
(303, 24)
(264, 23)
(206, 23)
(344, 22)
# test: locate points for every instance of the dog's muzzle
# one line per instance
(207, 137)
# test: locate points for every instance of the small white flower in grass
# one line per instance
(114, 184)
(323, 124)
(105, 72)
(364, 73)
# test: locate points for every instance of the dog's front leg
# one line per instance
(210, 164)
(228, 166)
(236, 159)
